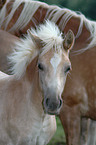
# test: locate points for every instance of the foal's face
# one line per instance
(53, 69)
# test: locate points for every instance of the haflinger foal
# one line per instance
(31, 97)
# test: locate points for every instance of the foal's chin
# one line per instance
(50, 112)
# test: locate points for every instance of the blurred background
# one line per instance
(88, 8)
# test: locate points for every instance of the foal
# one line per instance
(29, 97)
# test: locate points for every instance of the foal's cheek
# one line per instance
(42, 81)
(63, 83)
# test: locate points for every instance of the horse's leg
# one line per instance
(72, 127)
(84, 131)
(71, 122)
(91, 133)
(88, 132)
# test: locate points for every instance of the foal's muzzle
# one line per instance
(52, 105)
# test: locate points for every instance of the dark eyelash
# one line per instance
(40, 66)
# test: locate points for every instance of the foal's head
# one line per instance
(53, 65)
(53, 62)
(53, 69)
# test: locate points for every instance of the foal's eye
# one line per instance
(40, 66)
(67, 69)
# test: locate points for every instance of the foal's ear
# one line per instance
(36, 39)
(69, 40)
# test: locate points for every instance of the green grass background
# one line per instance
(59, 137)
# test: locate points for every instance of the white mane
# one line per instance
(30, 7)
(25, 50)
(54, 13)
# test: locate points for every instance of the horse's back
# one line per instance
(6, 45)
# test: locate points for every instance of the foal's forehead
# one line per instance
(55, 56)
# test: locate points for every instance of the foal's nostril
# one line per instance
(60, 103)
(47, 102)
(52, 104)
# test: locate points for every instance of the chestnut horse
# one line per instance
(40, 67)
(12, 19)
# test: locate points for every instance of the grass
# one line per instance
(59, 137)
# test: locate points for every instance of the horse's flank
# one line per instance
(6, 46)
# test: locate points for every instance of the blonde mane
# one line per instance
(26, 50)
(53, 13)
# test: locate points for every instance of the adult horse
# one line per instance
(40, 66)
(13, 19)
